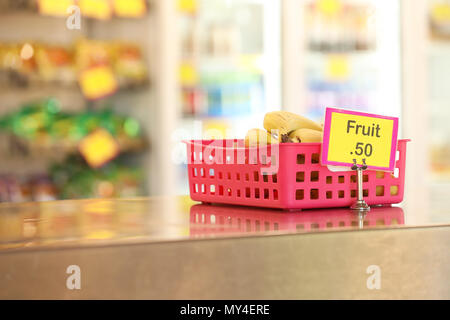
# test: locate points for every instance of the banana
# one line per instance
(255, 137)
(306, 135)
(286, 122)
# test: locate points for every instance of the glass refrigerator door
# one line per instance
(350, 56)
(229, 72)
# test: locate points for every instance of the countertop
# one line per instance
(173, 248)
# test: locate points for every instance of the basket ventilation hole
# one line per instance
(394, 190)
(380, 191)
(275, 194)
(315, 158)
(300, 177)
(380, 174)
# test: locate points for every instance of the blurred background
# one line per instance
(98, 106)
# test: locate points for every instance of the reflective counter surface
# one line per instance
(214, 251)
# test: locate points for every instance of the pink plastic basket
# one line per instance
(225, 171)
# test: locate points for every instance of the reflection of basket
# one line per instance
(225, 171)
(210, 220)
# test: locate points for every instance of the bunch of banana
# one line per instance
(306, 135)
(284, 126)
(256, 137)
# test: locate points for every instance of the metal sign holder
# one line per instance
(360, 205)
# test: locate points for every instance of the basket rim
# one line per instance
(200, 142)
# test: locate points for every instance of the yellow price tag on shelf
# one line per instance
(98, 82)
(98, 148)
(329, 7)
(98, 9)
(215, 129)
(130, 8)
(187, 6)
(187, 74)
(441, 12)
(355, 137)
(337, 67)
(55, 7)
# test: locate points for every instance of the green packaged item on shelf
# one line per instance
(34, 118)
(75, 179)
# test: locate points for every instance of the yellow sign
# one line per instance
(329, 7)
(98, 9)
(441, 12)
(97, 82)
(98, 148)
(55, 7)
(187, 74)
(130, 8)
(187, 6)
(355, 137)
(338, 67)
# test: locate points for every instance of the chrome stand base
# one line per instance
(361, 206)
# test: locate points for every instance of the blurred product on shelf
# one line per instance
(226, 93)
(125, 59)
(42, 126)
(74, 179)
(25, 64)
(96, 9)
(221, 71)
(340, 65)
(22, 5)
(23, 189)
(440, 18)
(339, 26)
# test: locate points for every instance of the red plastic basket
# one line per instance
(287, 176)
